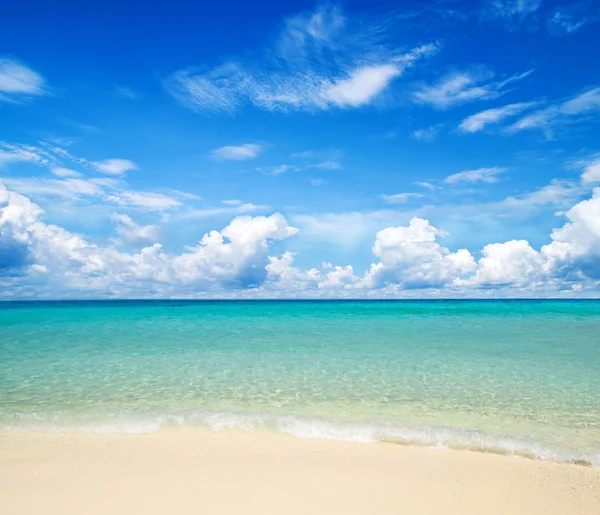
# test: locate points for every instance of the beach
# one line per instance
(198, 471)
(300, 407)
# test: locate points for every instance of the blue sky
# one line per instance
(300, 149)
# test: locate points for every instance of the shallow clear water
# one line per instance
(512, 376)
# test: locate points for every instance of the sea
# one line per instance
(515, 377)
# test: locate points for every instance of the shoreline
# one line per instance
(185, 470)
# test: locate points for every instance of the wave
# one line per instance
(432, 437)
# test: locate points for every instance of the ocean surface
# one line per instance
(515, 377)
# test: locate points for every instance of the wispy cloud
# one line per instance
(144, 200)
(115, 166)
(192, 214)
(572, 17)
(328, 165)
(568, 111)
(71, 189)
(62, 172)
(233, 202)
(557, 193)
(237, 153)
(125, 92)
(591, 169)
(70, 185)
(461, 87)
(129, 232)
(307, 154)
(488, 175)
(514, 11)
(427, 185)
(321, 60)
(18, 82)
(429, 134)
(477, 122)
(279, 169)
(399, 198)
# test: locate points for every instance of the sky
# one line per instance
(443, 149)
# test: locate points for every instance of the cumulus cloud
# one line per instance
(321, 60)
(237, 153)
(411, 256)
(18, 82)
(53, 261)
(479, 121)
(235, 257)
(488, 175)
(465, 86)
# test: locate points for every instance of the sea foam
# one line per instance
(432, 437)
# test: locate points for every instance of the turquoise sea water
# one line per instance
(508, 376)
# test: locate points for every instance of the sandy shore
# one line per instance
(192, 471)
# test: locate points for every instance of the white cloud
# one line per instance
(59, 171)
(134, 234)
(328, 165)
(22, 153)
(234, 202)
(115, 166)
(427, 185)
(279, 169)
(514, 11)
(563, 22)
(307, 154)
(488, 175)
(511, 263)
(557, 193)
(571, 110)
(68, 188)
(411, 257)
(236, 257)
(464, 86)
(17, 81)
(591, 172)
(362, 86)
(144, 200)
(478, 121)
(237, 208)
(322, 60)
(428, 134)
(399, 198)
(125, 92)
(346, 230)
(237, 153)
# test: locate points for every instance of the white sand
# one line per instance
(193, 471)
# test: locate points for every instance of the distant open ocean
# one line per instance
(517, 377)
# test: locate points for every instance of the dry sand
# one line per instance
(193, 471)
